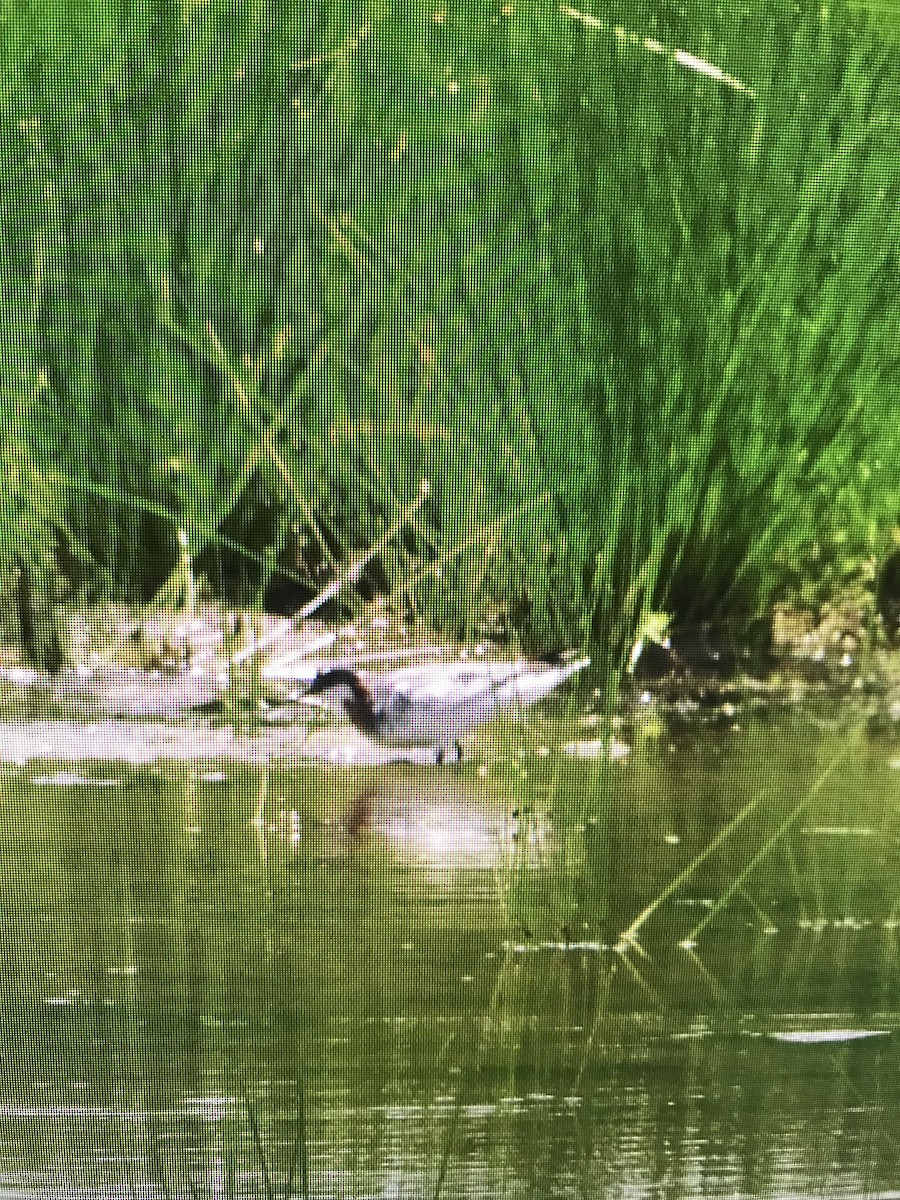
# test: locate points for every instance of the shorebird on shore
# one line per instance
(435, 705)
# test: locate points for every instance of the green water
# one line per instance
(411, 982)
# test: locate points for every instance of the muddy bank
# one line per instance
(219, 683)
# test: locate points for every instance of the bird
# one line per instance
(435, 705)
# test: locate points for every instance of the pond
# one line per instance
(529, 975)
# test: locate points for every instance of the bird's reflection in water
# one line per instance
(441, 820)
(357, 819)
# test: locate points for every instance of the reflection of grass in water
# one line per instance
(260, 1149)
(299, 1165)
(531, 994)
(629, 937)
(297, 1179)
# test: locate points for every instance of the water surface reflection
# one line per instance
(403, 981)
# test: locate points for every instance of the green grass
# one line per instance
(634, 324)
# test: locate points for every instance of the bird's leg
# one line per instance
(442, 758)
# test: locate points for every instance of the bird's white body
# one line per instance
(436, 704)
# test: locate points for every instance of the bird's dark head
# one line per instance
(336, 680)
(353, 694)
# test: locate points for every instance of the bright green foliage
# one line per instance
(626, 295)
(134, 138)
(666, 301)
